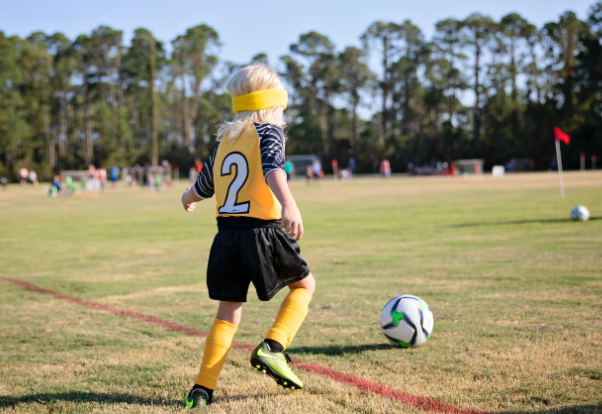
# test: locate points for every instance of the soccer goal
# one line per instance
(301, 162)
(468, 167)
(80, 181)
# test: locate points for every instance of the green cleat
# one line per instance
(276, 365)
(196, 398)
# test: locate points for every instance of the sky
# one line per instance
(269, 26)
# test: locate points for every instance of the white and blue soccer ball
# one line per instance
(407, 321)
(579, 213)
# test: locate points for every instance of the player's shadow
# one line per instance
(574, 409)
(513, 222)
(337, 350)
(83, 397)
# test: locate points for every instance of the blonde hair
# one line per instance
(246, 80)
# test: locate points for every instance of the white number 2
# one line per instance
(242, 173)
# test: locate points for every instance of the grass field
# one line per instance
(514, 285)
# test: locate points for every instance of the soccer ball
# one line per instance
(579, 213)
(407, 321)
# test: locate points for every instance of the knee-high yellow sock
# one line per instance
(291, 315)
(218, 344)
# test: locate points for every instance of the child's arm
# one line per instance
(189, 199)
(291, 217)
(202, 188)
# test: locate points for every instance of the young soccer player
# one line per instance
(259, 225)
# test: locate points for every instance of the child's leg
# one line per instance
(292, 313)
(218, 343)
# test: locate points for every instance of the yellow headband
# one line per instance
(260, 100)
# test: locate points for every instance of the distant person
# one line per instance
(138, 175)
(157, 179)
(23, 175)
(289, 167)
(385, 168)
(257, 237)
(335, 168)
(33, 177)
(192, 174)
(102, 178)
(198, 165)
(4, 183)
(56, 183)
(166, 172)
(346, 174)
(309, 174)
(352, 165)
(317, 167)
(127, 174)
(375, 166)
(114, 175)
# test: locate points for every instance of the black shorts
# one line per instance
(249, 250)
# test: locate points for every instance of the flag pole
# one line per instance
(559, 158)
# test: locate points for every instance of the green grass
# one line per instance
(514, 285)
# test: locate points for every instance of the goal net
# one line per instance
(301, 162)
(468, 167)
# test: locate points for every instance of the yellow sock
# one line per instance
(291, 315)
(218, 344)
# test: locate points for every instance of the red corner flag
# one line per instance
(560, 135)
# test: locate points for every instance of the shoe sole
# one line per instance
(262, 368)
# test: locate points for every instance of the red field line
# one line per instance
(424, 403)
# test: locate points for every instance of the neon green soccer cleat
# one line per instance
(276, 365)
(196, 398)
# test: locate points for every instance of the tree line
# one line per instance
(479, 88)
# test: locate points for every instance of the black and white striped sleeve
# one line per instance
(203, 187)
(272, 149)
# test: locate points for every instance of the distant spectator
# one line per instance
(352, 165)
(138, 175)
(166, 172)
(375, 166)
(56, 183)
(158, 179)
(309, 174)
(33, 177)
(385, 168)
(4, 182)
(192, 174)
(335, 168)
(346, 174)
(102, 178)
(317, 167)
(114, 175)
(289, 167)
(198, 165)
(129, 178)
(23, 175)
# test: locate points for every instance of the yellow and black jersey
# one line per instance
(235, 173)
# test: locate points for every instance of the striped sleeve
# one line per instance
(272, 149)
(203, 187)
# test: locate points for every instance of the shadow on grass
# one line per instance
(575, 409)
(83, 397)
(339, 350)
(508, 223)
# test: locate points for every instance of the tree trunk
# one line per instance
(477, 92)
(89, 153)
(62, 130)
(51, 139)
(355, 103)
(185, 120)
(385, 92)
(152, 110)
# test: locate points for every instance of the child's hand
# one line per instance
(292, 222)
(188, 202)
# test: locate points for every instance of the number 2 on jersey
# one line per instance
(242, 173)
